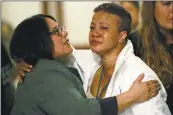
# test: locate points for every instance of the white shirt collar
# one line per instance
(126, 51)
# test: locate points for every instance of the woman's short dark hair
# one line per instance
(30, 40)
(125, 18)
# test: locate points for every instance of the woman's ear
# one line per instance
(122, 37)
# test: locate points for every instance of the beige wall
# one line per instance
(15, 12)
(77, 16)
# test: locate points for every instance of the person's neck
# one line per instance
(168, 35)
(110, 57)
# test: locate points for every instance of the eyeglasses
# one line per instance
(57, 30)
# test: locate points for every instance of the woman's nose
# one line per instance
(96, 32)
(64, 33)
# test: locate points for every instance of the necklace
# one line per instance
(104, 88)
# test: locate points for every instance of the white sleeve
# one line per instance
(157, 104)
(79, 56)
(154, 106)
(79, 60)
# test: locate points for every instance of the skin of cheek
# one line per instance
(110, 43)
(163, 18)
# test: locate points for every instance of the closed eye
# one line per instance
(166, 3)
(104, 28)
(91, 27)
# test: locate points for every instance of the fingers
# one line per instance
(146, 90)
(20, 79)
(153, 85)
(21, 73)
(24, 68)
(22, 63)
(21, 68)
(140, 77)
(154, 90)
(151, 82)
(154, 93)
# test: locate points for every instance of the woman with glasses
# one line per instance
(53, 88)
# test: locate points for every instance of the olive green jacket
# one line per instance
(52, 89)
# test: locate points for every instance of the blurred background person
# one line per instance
(7, 70)
(133, 7)
(153, 41)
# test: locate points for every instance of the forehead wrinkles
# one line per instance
(105, 18)
(100, 17)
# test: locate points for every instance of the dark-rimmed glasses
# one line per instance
(57, 30)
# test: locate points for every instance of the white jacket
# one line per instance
(128, 68)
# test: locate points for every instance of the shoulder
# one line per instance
(135, 66)
(48, 62)
(48, 77)
(132, 68)
(49, 70)
(50, 65)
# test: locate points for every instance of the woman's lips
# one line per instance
(67, 41)
(170, 20)
(94, 42)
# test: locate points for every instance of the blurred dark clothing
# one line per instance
(7, 88)
(170, 98)
(139, 51)
(6, 66)
(137, 43)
